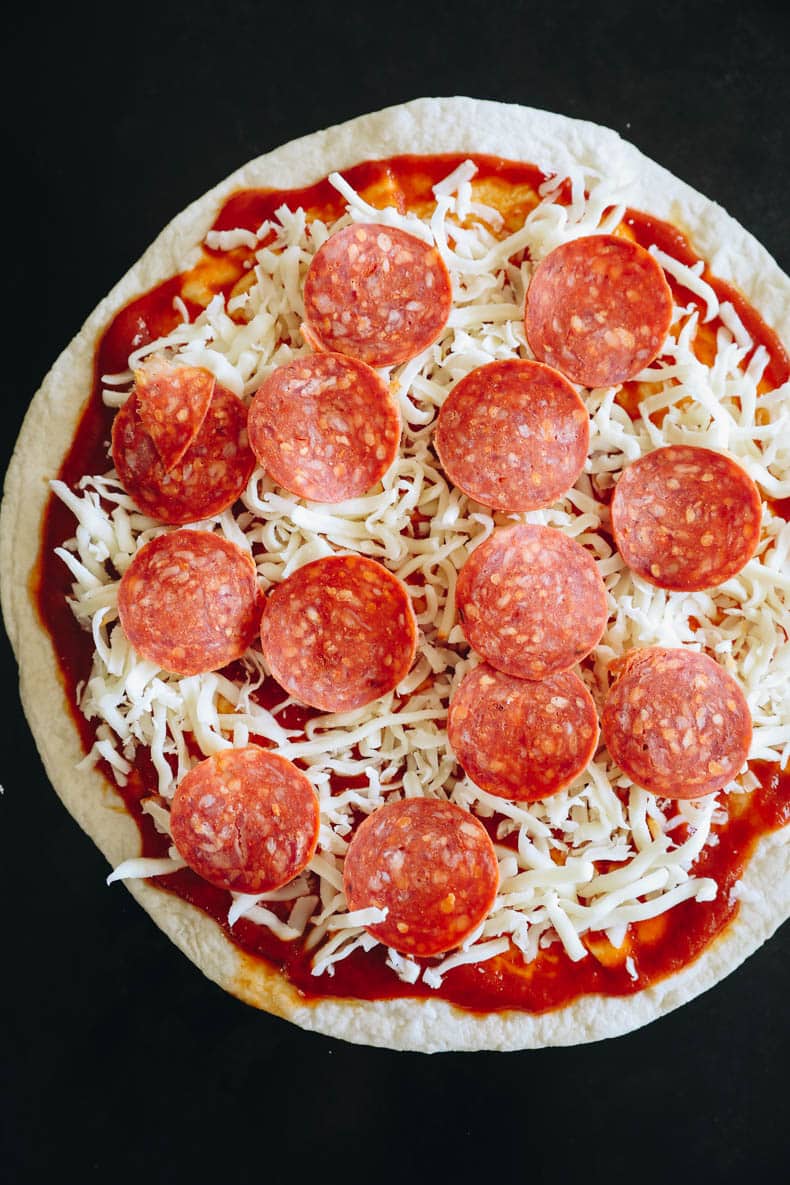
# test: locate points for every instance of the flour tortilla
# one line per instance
(424, 126)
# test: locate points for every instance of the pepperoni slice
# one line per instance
(377, 294)
(172, 402)
(339, 632)
(686, 518)
(189, 601)
(675, 722)
(431, 865)
(326, 427)
(531, 601)
(598, 309)
(513, 435)
(522, 739)
(245, 819)
(209, 477)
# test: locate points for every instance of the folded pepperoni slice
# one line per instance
(686, 518)
(531, 601)
(209, 477)
(376, 293)
(325, 427)
(675, 722)
(513, 435)
(189, 601)
(339, 632)
(245, 819)
(172, 402)
(599, 309)
(431, 865)
(522, 739)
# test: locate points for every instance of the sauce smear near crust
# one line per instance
(657, 947)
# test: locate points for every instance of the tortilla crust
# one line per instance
(423, 126)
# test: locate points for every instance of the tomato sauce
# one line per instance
(655, 948)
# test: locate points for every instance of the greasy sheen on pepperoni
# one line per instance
(245, 819)
(431, 865)
(376, 293)
(531, 601)
(598, 309)
(686, 518)
(209, 477)
(675, 722)
(513, 435)
(522, 739)
(339, 632)
(325, 427)
(189, 601)
(172, 402)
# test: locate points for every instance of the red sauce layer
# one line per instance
(658, 947)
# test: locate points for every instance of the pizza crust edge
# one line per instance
(422, 126)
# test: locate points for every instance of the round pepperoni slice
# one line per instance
(686, 518)
(522, 739)
(377, 294)
(513, 435)
(675, 722)
(431, 865)
(531, 601)
(209, 477)
(598, 309)
(339, 632)
(245, 819)
(172, 402)
(326, 427)
(189, 601)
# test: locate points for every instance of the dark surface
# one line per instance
(122, 1063)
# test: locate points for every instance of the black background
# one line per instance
(121, 1061)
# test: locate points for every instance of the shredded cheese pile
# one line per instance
(551, 889)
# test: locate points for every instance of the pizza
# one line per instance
(404, 541)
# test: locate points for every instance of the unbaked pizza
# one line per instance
(406, 541)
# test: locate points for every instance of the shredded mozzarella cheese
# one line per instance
(550, 890)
